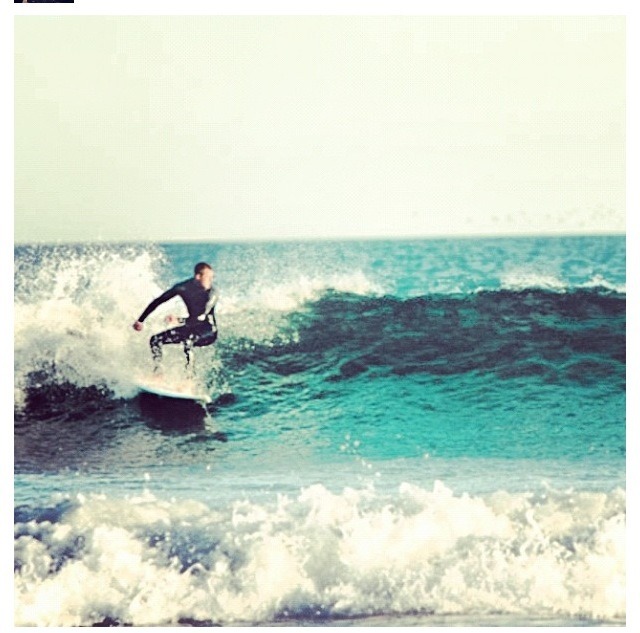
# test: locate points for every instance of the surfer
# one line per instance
(199, 328)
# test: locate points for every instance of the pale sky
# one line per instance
(237, 128)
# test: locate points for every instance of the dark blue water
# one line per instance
(456, 404)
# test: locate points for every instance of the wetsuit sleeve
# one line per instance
(165, 296)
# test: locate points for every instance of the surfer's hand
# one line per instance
(137, 326)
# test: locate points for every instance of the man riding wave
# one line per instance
(199, 328)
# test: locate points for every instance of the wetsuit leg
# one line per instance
(197, 338)
(174, 335)
(204, 339)
(184, 334)
(188, 352)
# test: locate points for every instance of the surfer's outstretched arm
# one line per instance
(165, 296)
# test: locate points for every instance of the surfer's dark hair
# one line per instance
(200, 266)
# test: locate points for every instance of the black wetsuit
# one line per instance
(198, 329)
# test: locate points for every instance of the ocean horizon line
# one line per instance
(313, 240)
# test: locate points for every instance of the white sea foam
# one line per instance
(149, 561)
(598, 281)
(524, 280)
(75, 314)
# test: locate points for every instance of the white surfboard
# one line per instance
(184, 390)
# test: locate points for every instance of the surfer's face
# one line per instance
(205, 278)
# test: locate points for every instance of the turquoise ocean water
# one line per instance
(402, 432)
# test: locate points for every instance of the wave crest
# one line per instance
(73, 310)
